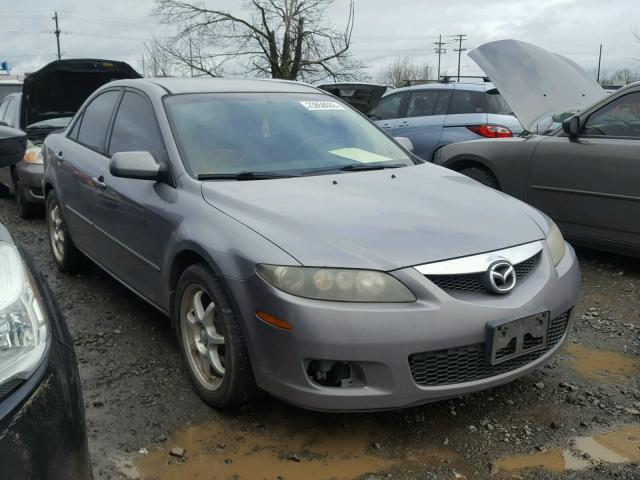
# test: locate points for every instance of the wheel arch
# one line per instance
(471, 161)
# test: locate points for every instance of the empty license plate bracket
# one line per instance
(509, 339)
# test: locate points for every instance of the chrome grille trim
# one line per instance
(480, 262)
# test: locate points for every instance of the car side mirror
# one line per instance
(13, 144)
(571, 126)
(405, 143)
(135, 165)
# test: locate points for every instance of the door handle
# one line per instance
(403, 124)
(59, 156)
(99, 182)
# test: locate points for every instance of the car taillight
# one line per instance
(490, 131)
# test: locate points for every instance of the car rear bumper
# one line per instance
(388, 347)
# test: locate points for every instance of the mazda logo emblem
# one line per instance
(500, 277)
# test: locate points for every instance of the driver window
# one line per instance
(620, 118)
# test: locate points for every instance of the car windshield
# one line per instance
(276, 133)
(60, 122)
(6, 89)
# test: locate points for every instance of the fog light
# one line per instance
(330, 373)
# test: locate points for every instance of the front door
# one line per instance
(387, 111)
(129, 212)
(591, 185)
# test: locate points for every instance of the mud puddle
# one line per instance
(222, 451)
(602, 365)
(619, 446)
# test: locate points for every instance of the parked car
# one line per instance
(298, 249)
(42, 426)
(584, 174)
(53, 94)
(362, 96)
(9, 86)
(438, 114)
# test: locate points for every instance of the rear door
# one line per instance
(5, 173)
(80, 167)
(388, 110)
(129, 212)
(591, 185)
(423, 119)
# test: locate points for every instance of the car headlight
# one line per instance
(33, 155)
(556, 243)
(24, 332)
(336, 284)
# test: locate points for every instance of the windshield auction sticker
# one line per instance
(322, 105)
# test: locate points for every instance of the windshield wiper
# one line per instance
(359, 167)
(243, 176)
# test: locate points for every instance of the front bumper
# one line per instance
(379, 339)
(30, 176)
(42, 423)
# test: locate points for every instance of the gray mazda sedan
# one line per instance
(300, 250)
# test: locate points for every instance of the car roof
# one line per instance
(222, 85)
(480, 87)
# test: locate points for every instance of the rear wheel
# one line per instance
(67, 257)
(4, 191)
(481, 175)
(26, 209)
(212, 341)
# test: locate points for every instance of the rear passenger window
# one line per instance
(388, 107)
(135, 128)
(95, 120)
(467, 101)
(422, 104)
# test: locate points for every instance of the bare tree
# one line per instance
(289, 39)
(404, 70)
(155, 62)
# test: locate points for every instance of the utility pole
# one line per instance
(439, 50)
(599, 60)
(461, 38)
(57, 32)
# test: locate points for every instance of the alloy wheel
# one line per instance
(56, 232)
(203, 343)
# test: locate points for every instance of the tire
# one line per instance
(26, 209)
(211, 340)
(67, 257)
(481, 175)
(4, 191)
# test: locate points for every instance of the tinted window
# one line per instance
(95, 120)
(467, 101)
(388, 107)
(497, 104)
(427, 103)
(135, 128)
(620, 118)
(286, 133)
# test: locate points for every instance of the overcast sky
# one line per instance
(116, 29)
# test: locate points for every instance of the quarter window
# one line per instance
(95, 120)
(3, 108)
(135, 128)
(620, 118)
(388, 107)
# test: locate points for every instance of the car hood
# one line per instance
(362, 96)
(61, 87)
(534, 82)
(373, 220)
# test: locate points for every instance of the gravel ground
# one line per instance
(144, 420)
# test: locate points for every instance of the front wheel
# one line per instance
(67, 257)
(26, 209)
(212, 341)
(481, 175)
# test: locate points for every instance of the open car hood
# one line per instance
(362, 96)
(534, 82)
(59, 88)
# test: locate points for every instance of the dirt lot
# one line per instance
(577, 418)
